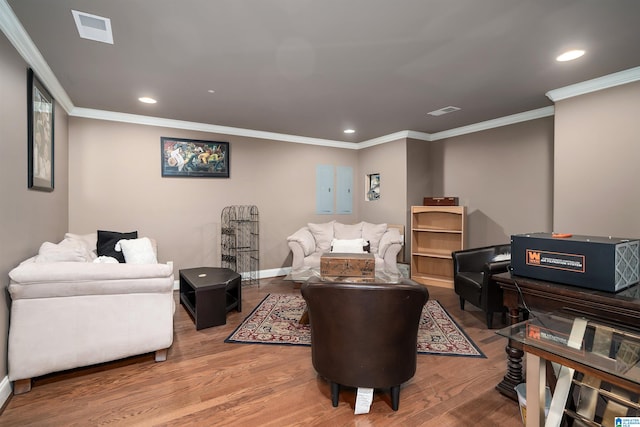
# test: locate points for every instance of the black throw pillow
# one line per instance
(107, 243)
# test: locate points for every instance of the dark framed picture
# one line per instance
(40, 117)
(194, 158)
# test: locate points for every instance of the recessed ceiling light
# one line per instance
(445, 110)
(147, 100)
(349, 131)
(211, 91)
(570, 55)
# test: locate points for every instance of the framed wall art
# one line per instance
(40, 120)
(372, 187)
(194, 158)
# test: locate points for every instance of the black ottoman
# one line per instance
(209, 293)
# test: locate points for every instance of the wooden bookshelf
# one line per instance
(436, 231)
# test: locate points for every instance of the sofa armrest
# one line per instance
(298, 255)
(304, 238)
(472, 259)
(496, 267)
(390, 238)
(390, 244)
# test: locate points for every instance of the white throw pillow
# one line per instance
(373, 233)
(89, 240)
(137, 251)
(65, 251)
(346, 231)
(323, 235)
(348, 246)
(501, 257)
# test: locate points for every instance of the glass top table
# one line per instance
(602, 347)
(605, 352)
(313, 274)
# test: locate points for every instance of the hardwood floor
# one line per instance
(207, 382)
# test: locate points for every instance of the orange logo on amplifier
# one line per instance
(534, 332)
(533, 257)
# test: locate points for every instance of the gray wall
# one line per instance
(504, 177)
(597, 152)
(389, 160)
(116, 184)
(27, 217)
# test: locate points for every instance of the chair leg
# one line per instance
(489, 319)
(335, 393)
(395, 397)
(461, 303)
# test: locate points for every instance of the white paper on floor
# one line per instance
(364, 397)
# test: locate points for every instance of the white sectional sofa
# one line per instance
(68, 311)
(311, 241)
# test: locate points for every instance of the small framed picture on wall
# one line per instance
(372, 187)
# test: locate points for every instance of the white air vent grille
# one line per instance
(93, 27)
(444, 110)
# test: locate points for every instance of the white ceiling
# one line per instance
(315, 67)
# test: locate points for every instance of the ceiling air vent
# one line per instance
(93, 27)
(442, 111)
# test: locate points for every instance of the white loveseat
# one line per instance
(310, 242)
(68, 311)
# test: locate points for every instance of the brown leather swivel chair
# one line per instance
(365, 335)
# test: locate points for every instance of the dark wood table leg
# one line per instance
(514, 363)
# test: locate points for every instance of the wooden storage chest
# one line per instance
(347, 265)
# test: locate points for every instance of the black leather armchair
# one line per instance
(365, 335)
(472, 270)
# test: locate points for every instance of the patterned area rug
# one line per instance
(275, 321)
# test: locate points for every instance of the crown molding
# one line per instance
(89, 113)
(616, 79)
(495, 123)
(17, 35)
(420, 135)
(383, 139)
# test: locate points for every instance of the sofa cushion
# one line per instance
(89, 240)
(66, 251)
(323, 234)
(373, 233)
(348, 246)
(137, 251)
(347, 231)
(107, 243)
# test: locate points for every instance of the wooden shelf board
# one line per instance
(434, 253)
(436, 230)
(439, 281)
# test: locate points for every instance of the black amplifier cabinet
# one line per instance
(607, 264)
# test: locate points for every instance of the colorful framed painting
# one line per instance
(40, 120)
(194, 158)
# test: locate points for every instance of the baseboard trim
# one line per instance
(5, 391)
(263, 274)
